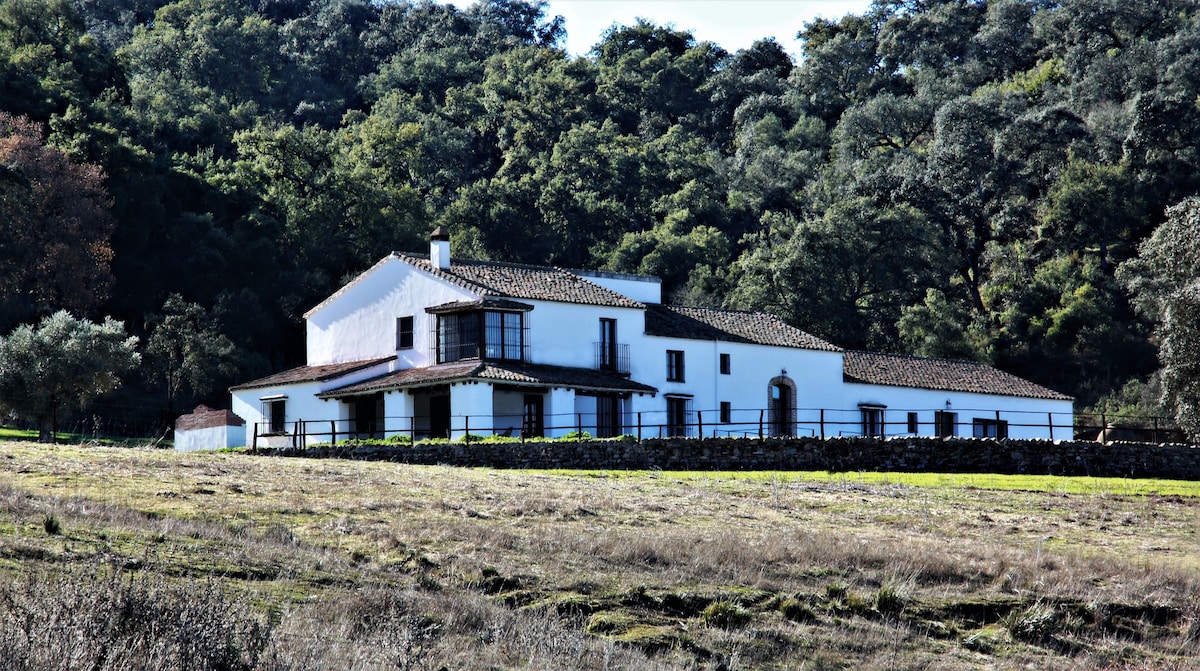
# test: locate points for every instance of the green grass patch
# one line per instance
(1054, 484)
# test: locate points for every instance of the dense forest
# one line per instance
(959, 178)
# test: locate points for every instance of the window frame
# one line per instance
(405, 330)
(945, 424)
(675, 366)
(984, 427)
(497, 335)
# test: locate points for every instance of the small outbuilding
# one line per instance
(209, 429)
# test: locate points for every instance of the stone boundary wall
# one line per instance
(939, 455)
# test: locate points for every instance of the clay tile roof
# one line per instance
(510, 372)
(204, 417)
(511, 280)
(310, 373)
(758, 328)
(945, 374)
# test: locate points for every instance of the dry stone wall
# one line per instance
(943, 455)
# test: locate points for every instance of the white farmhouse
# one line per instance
(429, 346)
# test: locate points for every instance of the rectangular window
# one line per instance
(989, 428)
(678, 413)
(726, 412)
(404, 332)
(274, 412)
(674, 365)
(608, 344)
(945, 423)
(473, 335)
(608, 416)
(872, 422)
(724, 364)
(913, 425)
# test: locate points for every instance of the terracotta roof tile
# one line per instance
(204, 417)
(945, 374)
(511, 280)
(759, 328)
(311, 373)
(510, 372)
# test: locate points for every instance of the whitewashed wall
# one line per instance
(360, 323)
(210, 438)
(1026, 417)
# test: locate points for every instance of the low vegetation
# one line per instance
(137, 558)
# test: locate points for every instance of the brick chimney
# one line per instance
(439, 248)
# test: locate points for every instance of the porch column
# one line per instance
(471, 409)
(560, 412)
(399, 408)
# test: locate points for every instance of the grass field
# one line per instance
(323, 564)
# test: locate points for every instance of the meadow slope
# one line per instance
(268, 563)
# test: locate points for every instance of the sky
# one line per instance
(733, 24)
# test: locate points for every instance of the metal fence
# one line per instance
(759, 423)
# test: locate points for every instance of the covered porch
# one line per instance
(476, 398)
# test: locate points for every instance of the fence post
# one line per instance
(822, 423)
(254, 439)
(1050, 419)
(1156, 429)
(333, 432)
(639, 424)
(412, 430)
(700, 424)
(578, 426)
(760, 424)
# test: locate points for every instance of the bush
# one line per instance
(797, 611)
(725, 615)
(51, 524)
(1035, 624)
(115, 621)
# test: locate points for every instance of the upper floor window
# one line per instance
(724, 364)
(404, 332)
(674, 365)
(489, 334)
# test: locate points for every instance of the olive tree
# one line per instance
(62, 360)
(1164, 279)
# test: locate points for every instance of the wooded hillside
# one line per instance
(951, 178)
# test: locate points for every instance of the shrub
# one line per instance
(51, 524)
(1035, 624)
(890, 599)
(725, 615)
(797, 611)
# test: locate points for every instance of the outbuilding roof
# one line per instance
(945, 374)
(500, 372)
(320, 373)
(759, 328)
(204, 417)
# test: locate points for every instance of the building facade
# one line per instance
(427, 346)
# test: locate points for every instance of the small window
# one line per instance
(912, 422)
(674, 365)
(872, 421)
(679, 411)
(989, 428)
(726, 412)
(274, 412)
(945, 423)
(404, 332)
(724, 364)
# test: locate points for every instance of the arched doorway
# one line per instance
(781, 406)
